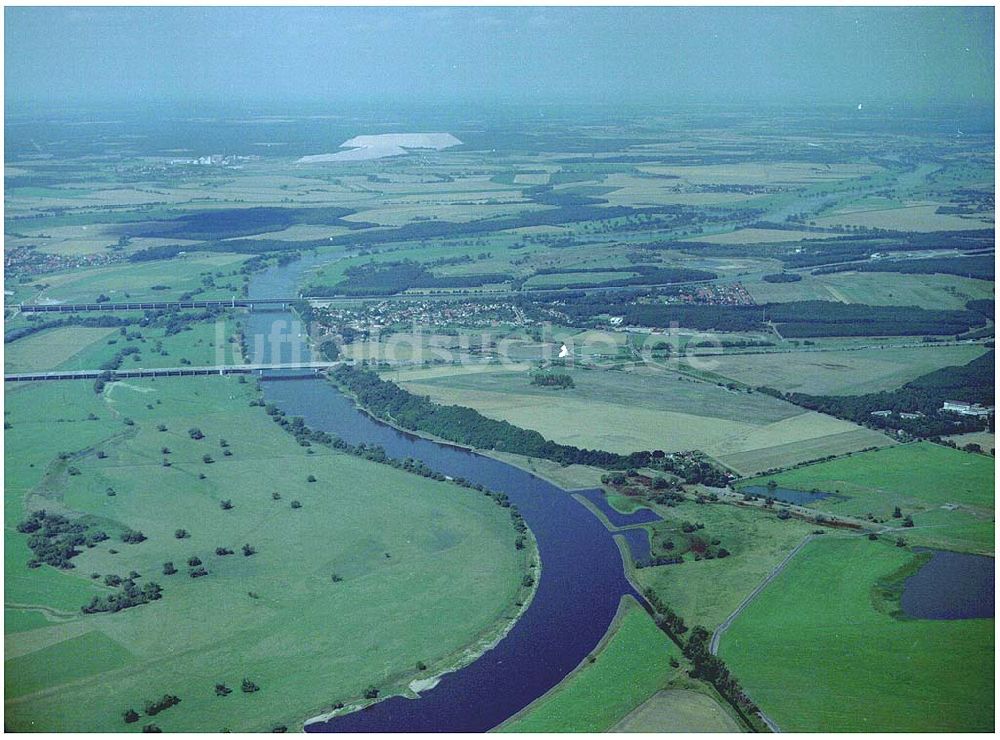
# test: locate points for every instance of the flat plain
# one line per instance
(816, 655)
(277, 616)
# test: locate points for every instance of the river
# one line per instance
(582, 575)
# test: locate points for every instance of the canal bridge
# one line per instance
(294, 368)
(277, 303)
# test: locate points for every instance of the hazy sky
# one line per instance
(503, 55)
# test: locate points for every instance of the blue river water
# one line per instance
(582, 577)
(617, 518)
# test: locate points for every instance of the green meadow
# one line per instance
(816, 655)
(83, 348)
(949, 493)
(705, 592)
(425, 571)
(631, 666)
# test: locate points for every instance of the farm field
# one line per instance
(816, 655)
(910, 217)
(705, 591)
(759, 236)
(876, 289)
(449, 553)
(647, 409)
(51, 348)
(630, 666)
(849, 372)
(633, 408)
(146, 281)
(82, 348)
(678, 710)
(986, 440)
(949, 493)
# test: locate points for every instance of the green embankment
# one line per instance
(817, 656)
(632, 665)
(428, 569)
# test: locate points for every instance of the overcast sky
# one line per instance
(502, 55)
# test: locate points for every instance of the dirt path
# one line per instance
(713, 646)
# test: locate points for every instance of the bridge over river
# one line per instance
(155, 372)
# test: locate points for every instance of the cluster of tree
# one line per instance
(227, 223)
(666, 618)
(152, 708)
(782, 277)
(388, 278)
(55, 539)
(735, 343)
(654, 561)
(829, 318)
(647, 275)
(132, 537)
(981, 267)
(795, 319)
(116, 362)
(711, 668)
(553, 380)
(973, 383)
(130, 595)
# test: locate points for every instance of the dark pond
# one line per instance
(792, 495)
(582, 577)
(951, 585)
(618, 519)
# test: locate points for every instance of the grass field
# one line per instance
(758, 236)
(705, 592)
(678, 710)
(643, 409)
(79, 348)
(632, 665)
(275, 617)
(51, 348)
(986, 440)
(135, 282)
(848, 372)
(876, 289)
(925, 480)
(816, 656)
(910, 217)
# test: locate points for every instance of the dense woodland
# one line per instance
(973, 383)
(792, 319)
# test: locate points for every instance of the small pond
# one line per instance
(792, 495)
(951, 585)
